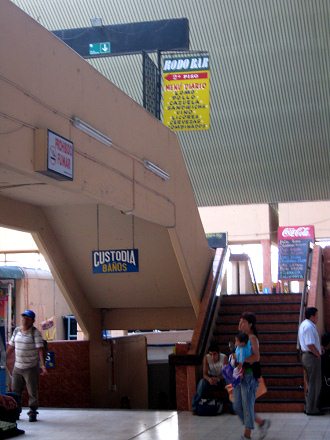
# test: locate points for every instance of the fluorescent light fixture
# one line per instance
(91, 131)
(96, 22)
(156, 170)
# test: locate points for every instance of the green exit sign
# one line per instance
(99, 48)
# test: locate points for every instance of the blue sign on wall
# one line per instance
(50, 359)
(217, 239)
(115, 261)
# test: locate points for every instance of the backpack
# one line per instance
(209, 407)
(45, 345)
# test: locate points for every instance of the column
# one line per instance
(267, 268)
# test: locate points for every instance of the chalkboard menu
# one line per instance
(293, 256)
(293, 249)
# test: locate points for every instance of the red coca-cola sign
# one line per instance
(296, 233)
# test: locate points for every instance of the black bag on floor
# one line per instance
(9, 430)
(209, 407)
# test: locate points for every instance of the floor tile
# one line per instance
(73, 424)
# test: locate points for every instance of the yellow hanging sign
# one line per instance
(186, 93)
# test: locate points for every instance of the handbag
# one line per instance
(230, 390)
(262, 388)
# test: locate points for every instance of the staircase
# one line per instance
(277, 324)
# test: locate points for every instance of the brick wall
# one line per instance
(68, 384)
(326, 287)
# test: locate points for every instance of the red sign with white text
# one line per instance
(60, 155)
(296, 233)
(182, 76)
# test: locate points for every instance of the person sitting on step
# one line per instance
(213, 363)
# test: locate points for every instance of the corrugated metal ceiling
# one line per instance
(270, 64)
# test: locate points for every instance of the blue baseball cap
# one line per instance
(29, 314)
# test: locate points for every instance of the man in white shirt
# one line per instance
(310, 346)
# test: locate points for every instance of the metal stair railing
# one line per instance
(217, 272)
(304, 296)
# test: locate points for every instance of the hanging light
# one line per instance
(91, 131)
(156, 170)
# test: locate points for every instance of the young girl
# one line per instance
(243, 350)
(234, 370)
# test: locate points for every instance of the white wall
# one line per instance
(307, 213)
(244, 223)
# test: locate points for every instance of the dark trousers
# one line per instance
(205, 389)
(312, 366)
(30, 379)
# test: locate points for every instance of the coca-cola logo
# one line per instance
(302, 231)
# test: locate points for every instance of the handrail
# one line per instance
(217, 272)
(305, 290)
(246, 257)
(253, 277)
(214, 297)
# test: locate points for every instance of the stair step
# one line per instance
(262, 326)
(272, 357)
(286, 388)
(294, 393)
(277, 380)
(259, 307)
(268, 400)
(270, 298)
(262, 317)
(284, 376)
(280, 336)
(284, 395)
(265, 312)
(273, 346)
(284, 364)
(280, 407)
(264, 337)
(279, 353)
(281, 368)
(263, 333)
(277, 346)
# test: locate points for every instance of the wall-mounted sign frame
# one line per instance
(54, 155)
(115, 261)
(217, 239)
(186, 93)
(293, 250)
(128, 38)
(50, 359)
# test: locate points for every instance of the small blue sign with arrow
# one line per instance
(99, 48)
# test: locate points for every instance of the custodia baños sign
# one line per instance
(115, 261)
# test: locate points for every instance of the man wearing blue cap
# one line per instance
(29, 359)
